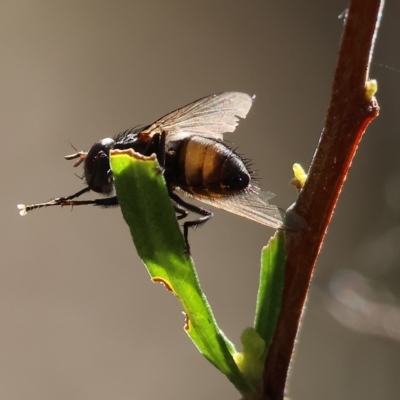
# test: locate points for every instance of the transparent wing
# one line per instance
(211, 116)
(251, 204)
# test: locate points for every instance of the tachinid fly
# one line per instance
(188, 143)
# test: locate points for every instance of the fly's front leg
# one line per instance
(73, 196)
(58, 201)
(69, 201)
(106, 202)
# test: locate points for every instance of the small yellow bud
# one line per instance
(300, 176)
(371, 87)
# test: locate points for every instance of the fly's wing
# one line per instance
(211, 116)
(250, 204)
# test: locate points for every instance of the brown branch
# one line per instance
(349, 114)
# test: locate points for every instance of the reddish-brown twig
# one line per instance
(349, 114)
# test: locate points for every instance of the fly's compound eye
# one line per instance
(97, 167)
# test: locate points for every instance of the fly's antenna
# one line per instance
(79, 154)
(70, 143)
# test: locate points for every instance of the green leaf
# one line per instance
(256, 341)
(147, 209)
(270, 290)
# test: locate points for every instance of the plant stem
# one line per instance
(349, 113)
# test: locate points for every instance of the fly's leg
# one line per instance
(181, 211)
(205, 216)
(106, 202)
(73, 196)
(69, 201)
(58, 201)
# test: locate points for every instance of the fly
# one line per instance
(188, 143)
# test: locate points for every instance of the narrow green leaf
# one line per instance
(147, 209)
(256, 341)
(270, 290)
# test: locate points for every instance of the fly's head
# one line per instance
(97, 169)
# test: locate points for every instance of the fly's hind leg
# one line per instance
(181, 211)
(205, 216)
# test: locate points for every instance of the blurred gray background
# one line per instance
(79, 316)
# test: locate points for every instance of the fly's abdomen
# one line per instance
(206, 167)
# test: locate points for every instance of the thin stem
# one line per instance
(349, 113)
